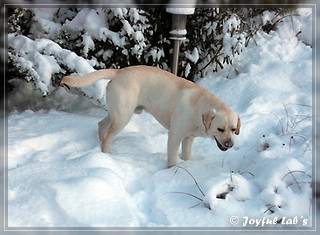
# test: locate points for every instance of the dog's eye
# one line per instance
(233, 129)
(220, 129)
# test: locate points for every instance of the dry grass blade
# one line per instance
(270, 207)
(247, 172)
(189, 194)
(280, 122)
(179, 167)
(294, 178)
(291, 172)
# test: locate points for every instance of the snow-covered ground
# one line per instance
(58, 177)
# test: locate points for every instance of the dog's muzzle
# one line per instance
(227, 144)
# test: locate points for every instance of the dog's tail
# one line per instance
(85, 80)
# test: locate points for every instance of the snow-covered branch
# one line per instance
(40, 59)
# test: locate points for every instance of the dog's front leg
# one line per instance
(173, 148)
(187, 148)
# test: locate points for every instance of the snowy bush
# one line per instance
(216, 35)
(119, 37)
(87, 39)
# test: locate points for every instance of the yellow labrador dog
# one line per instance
(182, 107)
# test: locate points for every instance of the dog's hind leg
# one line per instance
(121, 109)
(123, 102)
(115, 126)
(103, 125)
(107, 137)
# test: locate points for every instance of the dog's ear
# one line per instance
(207, 118)
(237, 132)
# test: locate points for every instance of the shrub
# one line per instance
(120, 37)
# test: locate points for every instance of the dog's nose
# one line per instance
(228, 143)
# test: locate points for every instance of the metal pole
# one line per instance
(175, 59)
(178, 32)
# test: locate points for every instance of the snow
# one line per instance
(42, 66)
(156, 54)
(127, 27)
(45, 22)
(267, 17)
(41, 56)
(58, 177)
(194, 56)
(303, 24)
(138, 36)
(233, 23)
(88, 42)
(232, 42)
(83, 21)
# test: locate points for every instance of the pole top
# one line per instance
(180, 11)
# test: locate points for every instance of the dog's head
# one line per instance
(222, 125)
